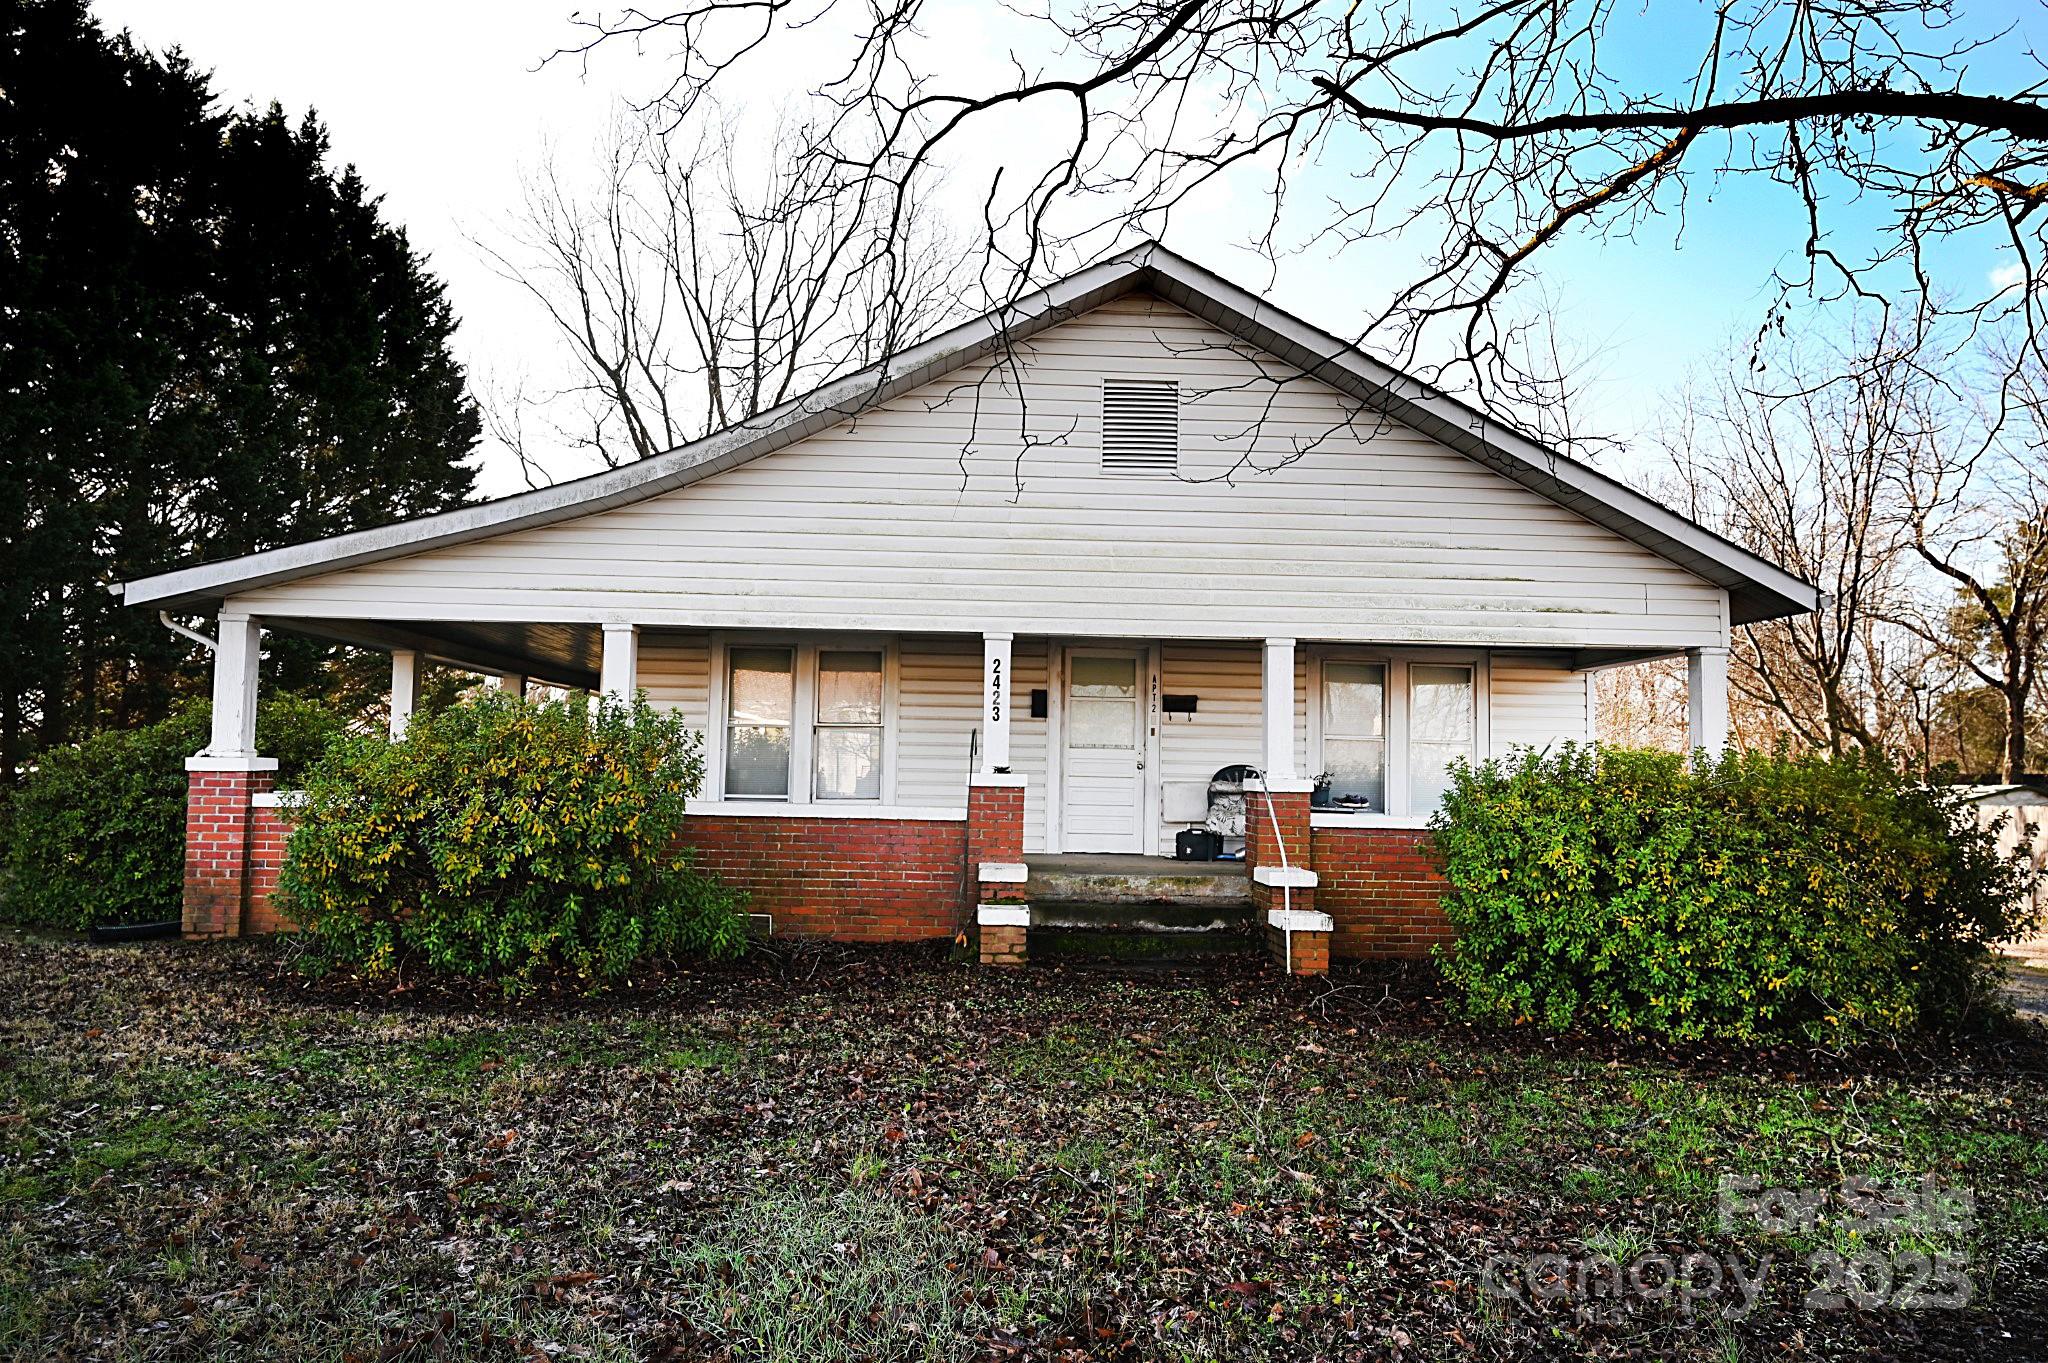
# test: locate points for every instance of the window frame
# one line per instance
(880, 725)
(803, 779)
(1400, 804)
(1320, 703)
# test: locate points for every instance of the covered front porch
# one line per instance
(889, 786)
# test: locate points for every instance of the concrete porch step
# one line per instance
(1109, 879)
(1182, 919)
(1124, 948)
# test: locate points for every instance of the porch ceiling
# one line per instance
(561, 654)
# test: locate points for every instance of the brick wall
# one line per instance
(1290, 810)
(995, 823)
(1381, 888)
(217, 816)
(269, 829)
(857, 880)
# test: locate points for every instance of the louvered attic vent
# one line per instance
(1141, 427)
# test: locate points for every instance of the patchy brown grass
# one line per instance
(884, 1155)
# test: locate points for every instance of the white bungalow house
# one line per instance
(1031, 589)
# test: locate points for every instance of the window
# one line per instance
(806, 722)
(846, 741)
(1141, 427)
(1440, 730)
(761, 698)
(1355, 734)
(1102, 702)
(1390, 731)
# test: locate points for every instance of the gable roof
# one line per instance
(1758, 589)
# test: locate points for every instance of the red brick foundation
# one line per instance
(995, 837)
(995, 822)
(855, 880)
(270, 827)
(1290, 810)
(1382, 890)
(218, 831)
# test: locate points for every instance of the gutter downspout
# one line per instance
(211, 645)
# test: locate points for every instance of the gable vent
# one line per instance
(1141, 427)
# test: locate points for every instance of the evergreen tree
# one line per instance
(211, 342)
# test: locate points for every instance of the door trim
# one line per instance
(1148, 655)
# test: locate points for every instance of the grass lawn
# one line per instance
(883, 1155)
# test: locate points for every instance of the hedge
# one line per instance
(500, 837)
(1761, 896)
(96, 832)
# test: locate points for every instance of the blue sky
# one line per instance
(442, 106)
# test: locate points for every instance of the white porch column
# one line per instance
(512, 684)
(405, 688)
(235, 663)
(1706, 699)
(1278, 712)
(620, 671)
(995, 702)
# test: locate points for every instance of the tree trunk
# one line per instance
(2015, 760)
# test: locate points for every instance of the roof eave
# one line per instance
(1758, 589)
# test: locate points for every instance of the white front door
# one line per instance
(1102, 795)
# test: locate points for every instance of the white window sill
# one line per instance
(826, 809)
(1333, 819)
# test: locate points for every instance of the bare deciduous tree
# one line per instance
(693, 295)
(1794, 456)
(1976, 513)
(1478, 137)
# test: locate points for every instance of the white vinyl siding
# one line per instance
(1290, 517)
(1535, 700)
(675, 672)
(1226, 680)
(1538, 701)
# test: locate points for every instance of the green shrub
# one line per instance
(498, 836)
(1759, 896)
(96, 834)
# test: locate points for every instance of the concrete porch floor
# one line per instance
(1128, 864)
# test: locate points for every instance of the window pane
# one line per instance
(1355, 699)
(1105, 677)
(849, 764)
(762, 686)
(757, 760)
(1440, 704)
(1093, 722)
(849, 688)
(1358, 772)
(1429, 773)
